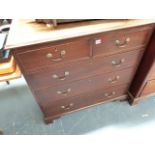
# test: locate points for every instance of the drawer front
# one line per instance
(82, 86)
(149, 88)
(51, 76)
(54, 55)
(118, 41)
(84, 100)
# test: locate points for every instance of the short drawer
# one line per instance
(82, 101)
(54, 76)
(54, 55)
(121, 40)
(149, 88)
(85, 85)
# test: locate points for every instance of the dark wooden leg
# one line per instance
(47, 121)
(132, 101)
(8, 82)
(122, 100)
(50, 120)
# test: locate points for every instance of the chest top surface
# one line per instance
(27, 32)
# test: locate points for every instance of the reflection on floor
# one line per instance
(20, 114)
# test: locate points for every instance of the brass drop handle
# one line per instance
(64, 92)
(61, 77)
(109, 94)
(68, 107)
(114, 80)
(51, 57)
(122, 44)
(118, 63)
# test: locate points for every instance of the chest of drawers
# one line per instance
(72, 74)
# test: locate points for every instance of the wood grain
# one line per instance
(85, 85)
(82, 69)
(83, 100)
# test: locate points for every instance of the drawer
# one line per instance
(52, 76)
(120, 40)
(149, 88)
(84, 100)
(82, 86)
(54, 55)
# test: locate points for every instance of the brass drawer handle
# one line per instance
(122, 44)
(114, 80)
(61, 77)
(68, 107)
(109, 94)
(64, 92)
(118, 63)
(62, 54)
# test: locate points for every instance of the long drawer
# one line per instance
(54, 55)
(120, 40)
(82, 86)
(51, 76)
(84, 100)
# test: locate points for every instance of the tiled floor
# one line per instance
(20, 114)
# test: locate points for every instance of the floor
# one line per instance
(20, 115)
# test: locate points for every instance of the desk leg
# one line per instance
(8, 82)
(132, 100)
(50, 120)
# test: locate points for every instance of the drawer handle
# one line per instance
(67, 107)
(114, 80)
(62, 54)
(118, 63)
(64, 92)
(122, 44)
(110, 95)
(61, 77)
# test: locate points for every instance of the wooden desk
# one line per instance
(75, 66)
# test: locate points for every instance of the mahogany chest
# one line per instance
(75, 73)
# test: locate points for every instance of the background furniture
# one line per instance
(144, 81)
(55, 22)
(76, 72)
(8, 68)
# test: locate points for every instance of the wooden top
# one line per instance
(28, 32)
